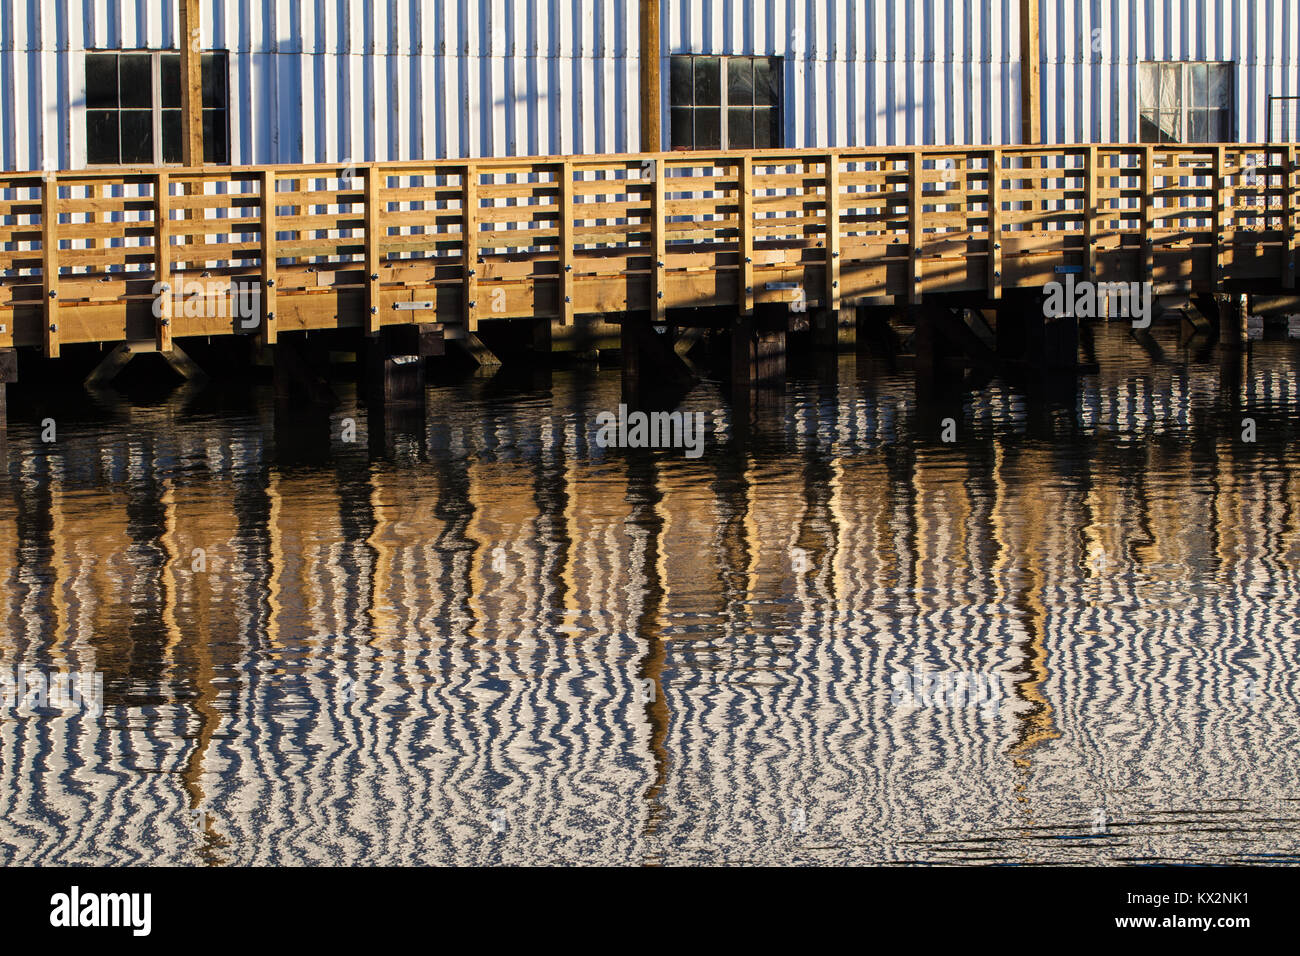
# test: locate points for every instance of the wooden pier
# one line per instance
(449, 246)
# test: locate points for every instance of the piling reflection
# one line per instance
(481, 637)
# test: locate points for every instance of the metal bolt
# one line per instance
(165, 322)
(374, 276)
(472, 272)
(567, 299)
(997, 274)
(375, 311)
(472, 304)
(749, 289)
(835, 255)
(748, 259)
(660, 264)
(917, 250)
(998, 245)
(270, 316)
(835, 284)
(661, 295)
(53, 294)
(54, 327)
(270, 283)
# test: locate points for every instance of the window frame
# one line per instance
(723, 105)
(1228, 130)
(156, 108)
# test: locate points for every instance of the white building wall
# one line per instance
(360, 80)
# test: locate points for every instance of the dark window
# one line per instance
(133, 108)
(1185, 102)
(724, 102)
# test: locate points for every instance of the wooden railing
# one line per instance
(83, 254)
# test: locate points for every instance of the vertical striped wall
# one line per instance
(357, 80)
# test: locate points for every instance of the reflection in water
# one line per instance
(500, 642)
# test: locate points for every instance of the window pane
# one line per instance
(136, 74)
(767, 81)
(681, 134)
(766, 135)
(1171, 93)
(214, 81)
(1170, 127)
(173, 146)
(1199, 79)
(679, 86)
(1221, 86)
(1198, 126)
(740, 127)
(1149, 86)
(101, 136)
(708, 128)
(214, 136)
(740, 81)
(101, 82)
(137, 136)
(171, 81)
(1219, 129)
(708, 85)
(1148, 131)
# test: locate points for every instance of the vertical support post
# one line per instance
(269, 331)
(1090, 213)
(1289, 251)
(658, 263)
(651, 139)
(745, 210)
(995, 224)
(374, 210)
(566, 237)
(191, 44)
(50, 262)
(833, 233)
(1220, 220)
(469, 230)
(1030, 74)
(162, 269)
(1147, 255)
(914, 197)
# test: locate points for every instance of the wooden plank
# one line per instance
(1090, 213)
(375, 230)
(833, 232)
(1030, 74)
(658, 292)
(50, 263)
(191, 83)
(1220, 220)
(566, 242)
(469, 230)
(745, 197)
(914, 210)
(995, 224)
(651, 138)
(269, 252)
(1147, 257)
(162, 259)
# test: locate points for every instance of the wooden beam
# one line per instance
(659, 246)
(914, 209)
(469, 232)
(191, 44)
(566, 243)
(995, 224)
(1289, 251)
(833, 232)
(1090, 214)
(746, 212)
(162, 268)
(1030, 75)
(374, 213)
(1147, 255)
(1220, 220)
(269, 254)
(651, 135)
(50, 262)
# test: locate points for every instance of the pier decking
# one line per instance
(83, 254)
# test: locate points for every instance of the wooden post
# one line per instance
(833, 235)
(1090, 213)
(1030, 74)
(914, 196)
(1147, 256)
(745, 197)
(374, 213)
(995, 224)
(269, 330)
(162, 258)
(191, 83)
(50, 262)
(1220, 220)
(1289, 212)
(566, 243)
(658, 263)
(651, 137)
(469, 230)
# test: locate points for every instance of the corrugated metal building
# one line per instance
(361, 80)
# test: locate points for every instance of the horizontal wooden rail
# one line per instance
(85, 253)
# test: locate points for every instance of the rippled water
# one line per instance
(486, 639)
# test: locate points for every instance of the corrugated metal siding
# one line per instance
(357, 80)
